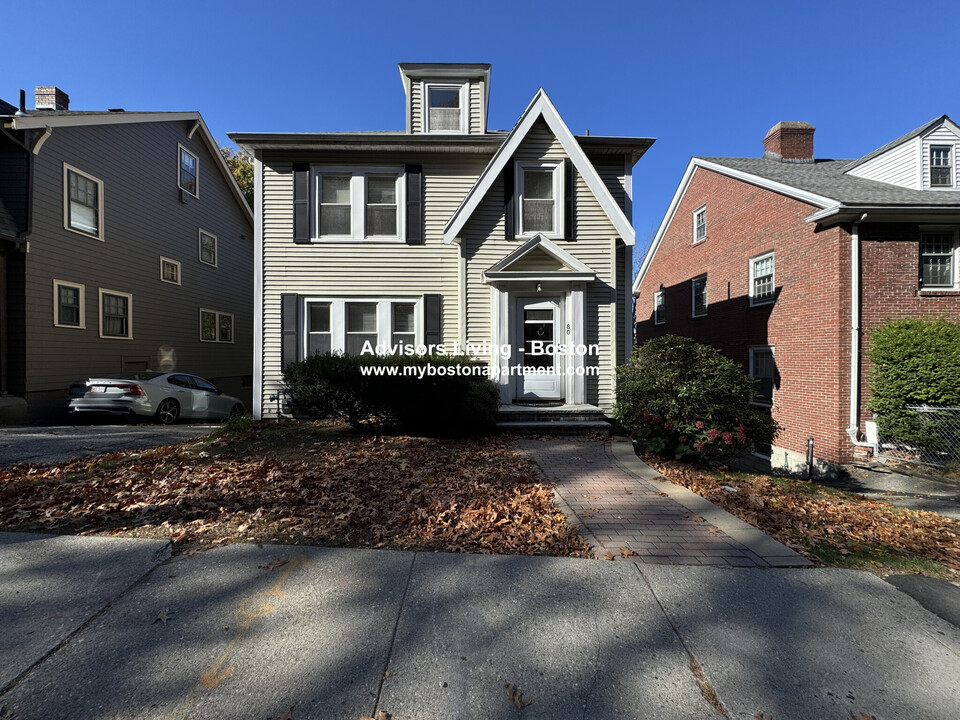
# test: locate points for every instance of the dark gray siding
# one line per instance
(143, 218)
(14, 168)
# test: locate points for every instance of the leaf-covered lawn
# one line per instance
(828, 525)
(301, 483)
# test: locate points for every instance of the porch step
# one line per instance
(558, 427)
(552, 418)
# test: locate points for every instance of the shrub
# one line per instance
(439, 395)
(915, 362)
(680, 398)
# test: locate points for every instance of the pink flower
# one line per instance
(656, 419)
(668, 425)
(699, 447)
(699, 424)
(728, 437)
(713, 434)
(741, 434)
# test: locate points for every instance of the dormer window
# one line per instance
(941, 166)
(445, 108)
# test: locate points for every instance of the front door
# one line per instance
(538, 322)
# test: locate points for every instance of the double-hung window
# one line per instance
(445, 106)
(357, 326)
(659, 308)
(208, 248)
(169, 271)
(698, 300)
(763, 370)
(539, 193)
(68, 304)
(762, 280)
(938, 259)
(83, 202)
(941, 166)
(216, 326)
(116, 315)
(700, 224)
(189, 172)
(358, 204)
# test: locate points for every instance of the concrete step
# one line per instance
(559, 426)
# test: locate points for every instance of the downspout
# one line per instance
(854, 429)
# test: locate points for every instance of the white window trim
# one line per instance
(66, 202)
(338, 319)
(358, 203)
(558, 197)
(181, 148)
(773, 298)
(217, 314)
(172, 262)
(425, 87)
(659, 295)
(953, 166)
(698, 211)
(129, 297)
(773, 391)
(216, 248)
(693, 297)
(57, 284)
(924, 229)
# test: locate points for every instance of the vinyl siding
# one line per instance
(897, 166)
(475, 93)
(143, 218)
(474, 107)
(416, 106)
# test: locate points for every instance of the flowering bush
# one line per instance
(683, 399)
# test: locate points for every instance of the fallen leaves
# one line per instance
(516, 697)
(300, 483)
(163, 616)
(381, 715)
(273, 565)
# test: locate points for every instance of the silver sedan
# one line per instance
(163, 396)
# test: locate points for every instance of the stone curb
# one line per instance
(775, 553)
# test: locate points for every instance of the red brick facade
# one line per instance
(809, 323)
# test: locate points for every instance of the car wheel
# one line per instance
(236, 410)
(168, 412)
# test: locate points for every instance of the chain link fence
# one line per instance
(920, 434)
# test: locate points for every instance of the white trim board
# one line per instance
(539, 107)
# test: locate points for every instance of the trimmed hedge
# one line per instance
(432, 395)
(915, 362)
(682, 399)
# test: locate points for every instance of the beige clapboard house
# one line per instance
(448, 234)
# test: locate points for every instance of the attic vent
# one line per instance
(789, 142)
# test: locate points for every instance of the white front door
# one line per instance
(538, 327)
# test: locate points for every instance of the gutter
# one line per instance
(853, 431)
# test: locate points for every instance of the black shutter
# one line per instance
(414, 204)
(289, 328)
(568, 201)
(432, 322)
(301, 203)
(509, 203)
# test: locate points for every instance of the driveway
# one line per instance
(57, 444)
(916, 492)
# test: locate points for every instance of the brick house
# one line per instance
(786, 264)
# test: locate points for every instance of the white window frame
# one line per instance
(951, 157)
(217, 315)
(773, 296)
(129, 297)
(556, 166)
(57, 284)
(67, 169)
(773, 390)
(693, 297)
(338, 319)
(428, 85)
(659, 308)
(699, 212)
(182, 149)
(216, 248)
(358, 203)
(175, 263)
(955, 232)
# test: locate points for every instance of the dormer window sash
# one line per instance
(445, 108)
(941, 166)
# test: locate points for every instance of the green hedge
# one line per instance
(915, 362)
(680, 398)
(443, 397)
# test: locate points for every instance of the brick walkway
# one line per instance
(625, 513)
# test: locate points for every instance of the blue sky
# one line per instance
(704, 78)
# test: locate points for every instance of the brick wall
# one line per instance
(808, 326)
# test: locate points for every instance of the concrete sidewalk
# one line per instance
(105, 629)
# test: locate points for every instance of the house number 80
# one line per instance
(568, 329)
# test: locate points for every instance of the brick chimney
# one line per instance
(48, 97)
(789, 142)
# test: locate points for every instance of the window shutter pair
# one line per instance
(302, 203)
(510, 200)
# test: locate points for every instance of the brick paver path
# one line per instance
(625, 513)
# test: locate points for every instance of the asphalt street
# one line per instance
(98, 628)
